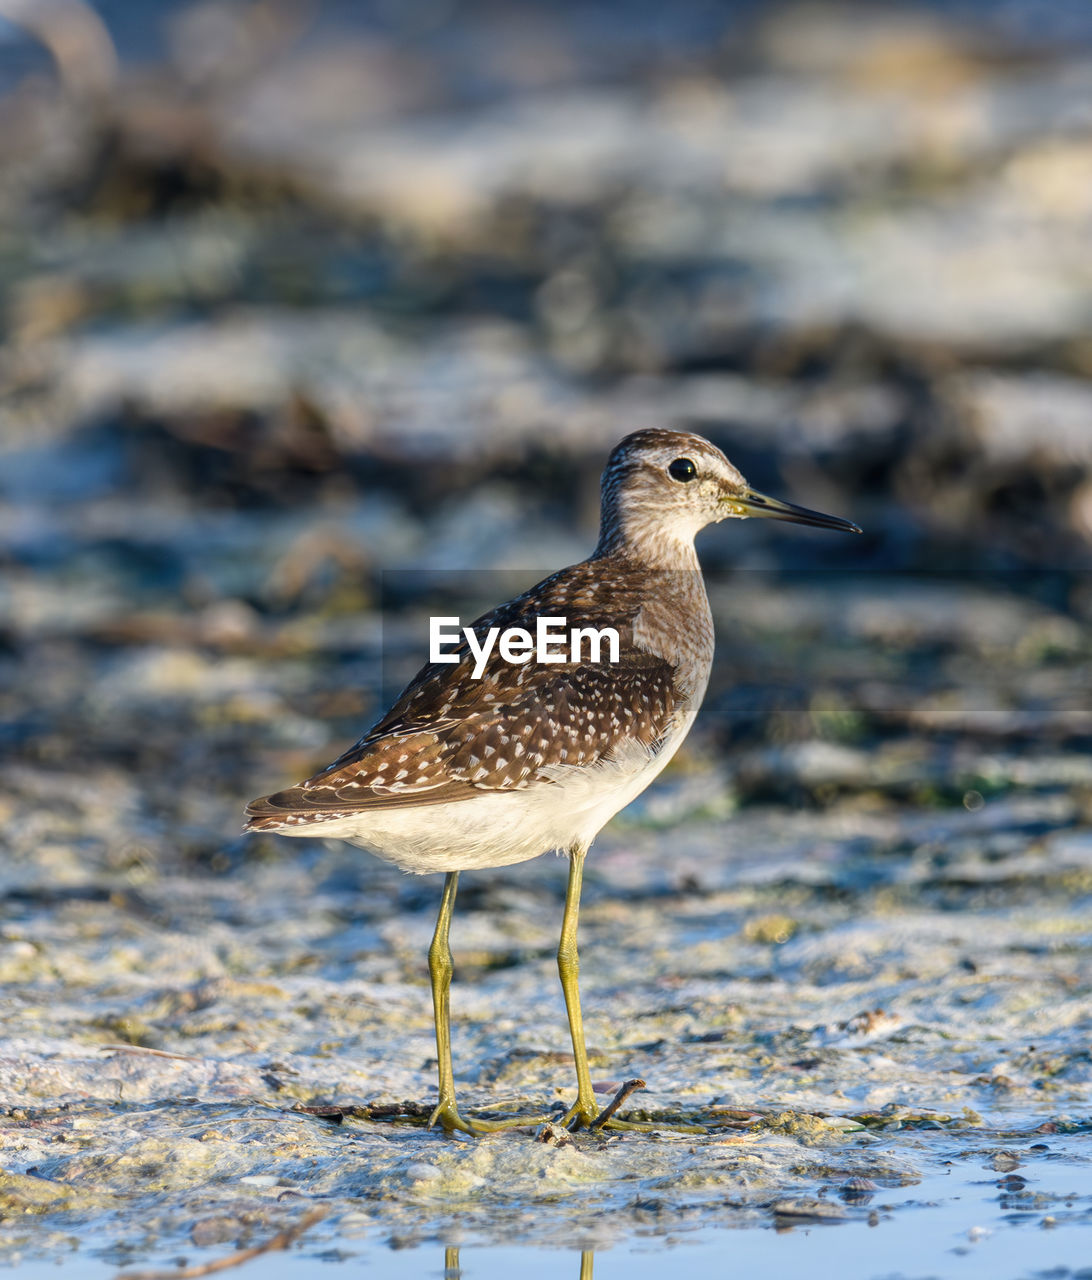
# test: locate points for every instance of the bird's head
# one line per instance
(667, 485)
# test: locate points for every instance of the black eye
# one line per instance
(682, 469)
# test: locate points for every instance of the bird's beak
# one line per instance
(751, 503)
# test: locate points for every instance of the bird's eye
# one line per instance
(682, 469)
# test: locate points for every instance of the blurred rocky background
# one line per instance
(300, 294)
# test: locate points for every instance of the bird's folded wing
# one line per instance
(451, 737)
(446, 741)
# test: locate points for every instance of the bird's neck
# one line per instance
(673, 621)
(650, 544)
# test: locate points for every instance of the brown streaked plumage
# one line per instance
(450, 737)
(464, 773)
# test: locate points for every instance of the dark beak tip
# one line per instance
(752, 503)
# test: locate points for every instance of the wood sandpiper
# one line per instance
(466, 773)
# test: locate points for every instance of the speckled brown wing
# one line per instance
(450, 737)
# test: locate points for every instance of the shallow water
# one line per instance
(962, 1219)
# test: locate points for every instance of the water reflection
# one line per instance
(453, 1271)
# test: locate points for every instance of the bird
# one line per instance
(531, 757)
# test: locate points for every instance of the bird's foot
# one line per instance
(580, 1116)
(585, 1114)
(447, 1115)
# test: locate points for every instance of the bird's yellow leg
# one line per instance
(585, 1108)
(441, 967)
(440, 970)
(585, 1112)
